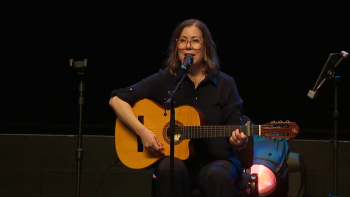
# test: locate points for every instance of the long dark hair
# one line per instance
(211, 62)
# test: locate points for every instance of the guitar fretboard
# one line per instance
(213, 131)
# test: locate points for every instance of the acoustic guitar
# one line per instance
(190, 124)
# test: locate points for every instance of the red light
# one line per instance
(266, 179)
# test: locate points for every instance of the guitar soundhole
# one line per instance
(177, 136)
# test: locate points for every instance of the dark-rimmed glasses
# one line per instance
(195, 43)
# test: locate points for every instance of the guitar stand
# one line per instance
(80, 67)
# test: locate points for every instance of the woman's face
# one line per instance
(191, 42)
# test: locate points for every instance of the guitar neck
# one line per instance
(211, 131)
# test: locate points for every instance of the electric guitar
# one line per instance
(190, 123)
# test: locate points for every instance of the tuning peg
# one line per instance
(273, 121)
(287, 121)
(287, 139)
(280, 121)
(280, 139)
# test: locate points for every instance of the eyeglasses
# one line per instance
(195, 43)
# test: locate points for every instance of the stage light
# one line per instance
(270, 162)
(280, 172)
(267, 179)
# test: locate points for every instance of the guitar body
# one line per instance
(126, 142)
(189, 122)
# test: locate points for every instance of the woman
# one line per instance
(215, 164)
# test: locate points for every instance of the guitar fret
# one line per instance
(229, 128)
(209, 130)
(187, 133)
(193, 131)
(197, 132)
(206, 132)
(255, 130)
(183, 132)
(181, 135)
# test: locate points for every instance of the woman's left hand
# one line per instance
(238, 139)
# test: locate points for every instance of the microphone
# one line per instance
(187, 62)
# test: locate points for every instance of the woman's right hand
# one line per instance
(126, 115)
(151, 142)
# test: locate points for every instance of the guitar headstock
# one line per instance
(280, 129)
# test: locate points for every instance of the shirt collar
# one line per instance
(213, 77)
(210, 76)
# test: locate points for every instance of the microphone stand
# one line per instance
(80, 67)
(329, 71)
(188, 60)
(172, 133)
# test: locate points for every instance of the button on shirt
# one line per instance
(216, 96)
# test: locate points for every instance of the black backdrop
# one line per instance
(274, 50)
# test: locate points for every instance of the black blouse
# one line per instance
(216, 96)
